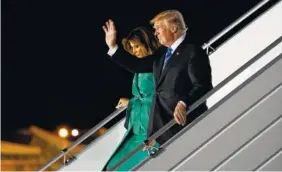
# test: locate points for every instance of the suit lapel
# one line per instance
(172, 61)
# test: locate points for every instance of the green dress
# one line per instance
(138, 112)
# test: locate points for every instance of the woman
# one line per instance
(140, 42)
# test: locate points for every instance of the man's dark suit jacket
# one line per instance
(186, 77)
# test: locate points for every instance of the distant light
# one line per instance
(74, 132)
(63, 132)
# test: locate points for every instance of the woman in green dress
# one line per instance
(140, 42)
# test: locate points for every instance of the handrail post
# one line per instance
(82, 138)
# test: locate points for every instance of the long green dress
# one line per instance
(138, 112)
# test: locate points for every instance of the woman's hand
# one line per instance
(123, 102)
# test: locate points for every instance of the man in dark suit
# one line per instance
(182, 74)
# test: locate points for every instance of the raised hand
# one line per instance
(110, 33)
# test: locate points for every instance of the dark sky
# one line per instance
(54, 64)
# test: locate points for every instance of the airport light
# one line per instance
(63, 132)
(74, 132)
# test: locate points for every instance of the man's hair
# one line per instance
(143, 36)
(172, 17)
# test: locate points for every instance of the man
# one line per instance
(182, 74)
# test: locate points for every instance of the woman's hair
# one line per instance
(143, 36)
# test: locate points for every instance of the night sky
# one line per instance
(54, 64)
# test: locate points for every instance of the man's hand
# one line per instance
(180, 113)
(150, 145)
(110, 33)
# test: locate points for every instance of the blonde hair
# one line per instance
(172, 17)
(143, 37)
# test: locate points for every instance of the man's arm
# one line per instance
(123, 58)
(132, 63)
(199, 71)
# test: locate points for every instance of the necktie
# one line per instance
(167, 56)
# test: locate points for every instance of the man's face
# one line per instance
(163, 33)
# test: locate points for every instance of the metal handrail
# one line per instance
(235, 23)
(82, 138)
(168, 125)
(205, 97)
(200, 101)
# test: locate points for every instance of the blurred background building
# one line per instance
(41, 146)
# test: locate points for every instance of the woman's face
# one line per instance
(138, 49)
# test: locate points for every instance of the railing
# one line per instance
(206, 46)
(197, 103)
(232, 25)
(209, 94)
(65, 151)
(224, 99)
